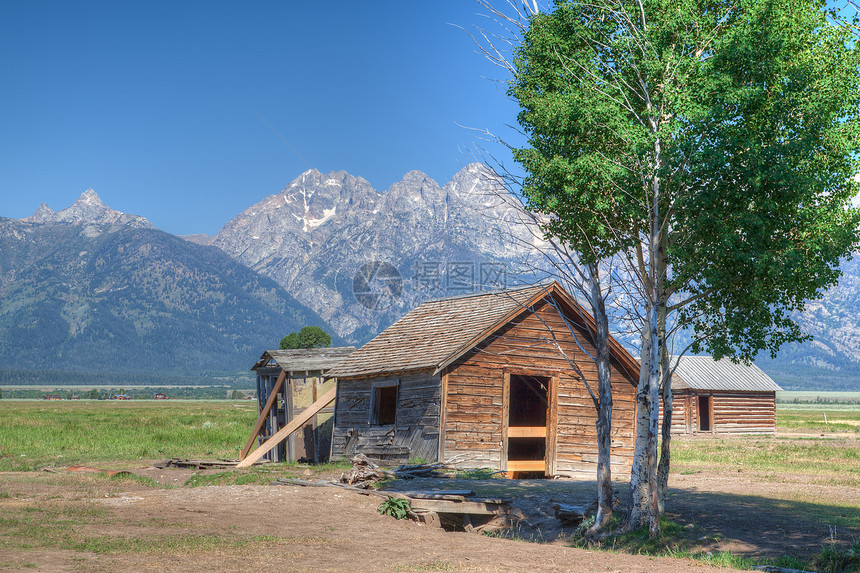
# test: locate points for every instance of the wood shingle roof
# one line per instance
(439, 331)
(426, 337)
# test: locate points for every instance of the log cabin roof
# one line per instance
(304, 360)
(705, 373)
(437, 332)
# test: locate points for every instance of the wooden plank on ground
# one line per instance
(449, 494)
(306, 483)
(291, 427)
(445, 506)
(264, 413)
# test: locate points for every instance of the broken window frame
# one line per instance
(376, 404)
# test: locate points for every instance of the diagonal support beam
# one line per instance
(264, 413)
(294, 425)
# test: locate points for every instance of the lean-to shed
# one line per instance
(303, 383)
(481, 378)
(719, 397)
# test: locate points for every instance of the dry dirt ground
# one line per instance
(87, 522)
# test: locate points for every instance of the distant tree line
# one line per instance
(133, 393)
(10, 377)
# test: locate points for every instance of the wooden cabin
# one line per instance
(303, 372)
(482, 380)
(721, 397)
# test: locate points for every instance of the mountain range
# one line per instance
(87, 284)
(331, 240)
(92, 289)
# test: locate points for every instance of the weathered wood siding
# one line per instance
(733, 412)
(684, 413)
(313, 440)
(744, 412)
(415, 432)
(474, 403)
(277, 418)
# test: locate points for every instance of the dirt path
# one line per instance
(89, 522)
(261, 528)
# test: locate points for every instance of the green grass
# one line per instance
(263, 475)
(477, 473)
(39, 434)
(815, 454)
(811, 418)
(680, 542)
(818, 456)
(44, 529)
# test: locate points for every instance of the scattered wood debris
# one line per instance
(460, 512)
(365, 473)
(412, 471)
(87, 469)
(198, 464)
(307, 483)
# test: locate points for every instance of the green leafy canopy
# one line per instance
(746, 113)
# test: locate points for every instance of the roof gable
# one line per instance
(438, 332)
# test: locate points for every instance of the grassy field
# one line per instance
(818, 419)
(829, 460)
(37, 434)
(816, 452)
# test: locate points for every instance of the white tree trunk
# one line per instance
(604, 407)
(666, 430)
(638, 499)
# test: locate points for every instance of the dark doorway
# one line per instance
(704, 413)
(528, 400)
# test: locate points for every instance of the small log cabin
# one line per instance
(721, 397)
(482, 380)
(302, 385)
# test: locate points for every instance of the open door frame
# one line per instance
(548, 466)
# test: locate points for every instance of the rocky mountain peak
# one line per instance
(415, 191)
(88, 209)
(90, 197)
(415, 176)
(42, 214)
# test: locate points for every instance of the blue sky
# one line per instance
(158, 105)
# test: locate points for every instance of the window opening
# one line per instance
(384, 405)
